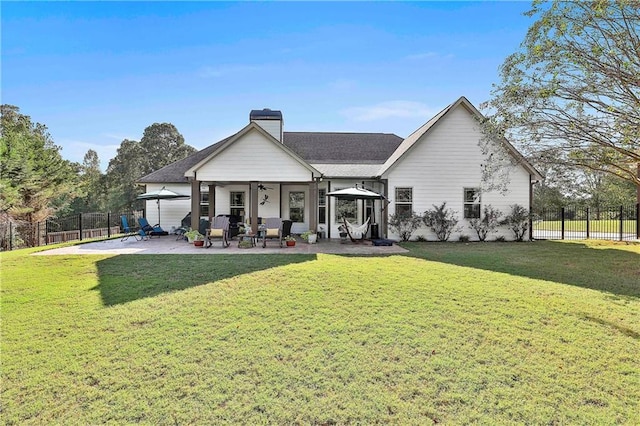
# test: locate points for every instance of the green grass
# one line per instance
(611, 226)
(493, 333)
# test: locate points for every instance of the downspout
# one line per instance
(329, 217)
(531, 183)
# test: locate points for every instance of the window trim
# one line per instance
(476, 202)
(304, 202)
(403, 203)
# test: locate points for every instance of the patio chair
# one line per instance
(273, 230)
(219, 229)
(128, 231)
(357, 233)
(149, 230)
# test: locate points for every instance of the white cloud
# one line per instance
(390, 109)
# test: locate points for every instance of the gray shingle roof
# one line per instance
(174, 172)
(313, 147)
(342, 148)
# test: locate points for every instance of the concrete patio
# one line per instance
(169, 245)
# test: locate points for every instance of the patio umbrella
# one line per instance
(161, 194)
(357, 193)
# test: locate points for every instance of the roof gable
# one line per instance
(229, 142)
(407, 145)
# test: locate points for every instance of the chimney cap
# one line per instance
(265, 114)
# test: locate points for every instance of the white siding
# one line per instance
(271, 208)
(171, 211)
(442, 163)
(273, 127)
(253, 157)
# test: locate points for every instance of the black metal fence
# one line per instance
(579, 223)
(15, 235)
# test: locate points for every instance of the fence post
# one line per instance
(10, 236)
(108, 224)
(588, 220)
(562, 224)
(80, 224)
(638, 221)
(621, 223)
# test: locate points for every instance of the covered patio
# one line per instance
(169, 245)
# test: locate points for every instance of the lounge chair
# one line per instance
(149, 230)
(357, 233)
(219, 229)
(273, 230)
(128, 231)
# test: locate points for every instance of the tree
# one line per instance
(123, 171)
(92, 186)
(161, 144)
(571, 95)
(35, 180)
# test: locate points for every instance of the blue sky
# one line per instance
(98, 72)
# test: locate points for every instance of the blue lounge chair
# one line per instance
(128, 231)
(149, 230)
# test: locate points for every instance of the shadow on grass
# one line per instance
(125, 278)
(607, 269)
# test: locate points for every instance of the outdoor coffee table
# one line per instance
(253, 238)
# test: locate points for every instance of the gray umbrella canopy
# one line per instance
(161, 194)
(356, 193)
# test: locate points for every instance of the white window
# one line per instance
(204, 204)
(345, 209)
(237, 205)
(322, 205)
(472, 203)
(296, 206)
(404, 201)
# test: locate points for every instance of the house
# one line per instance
(263, 171)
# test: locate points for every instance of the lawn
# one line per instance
(493, 333)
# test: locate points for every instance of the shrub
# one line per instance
(442, 221)
(463, 238)
(488, 223)
(500, 239)
(404, 224)
(518, 221)
(421, 238)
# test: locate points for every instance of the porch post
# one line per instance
(195, 204)
(384, 209)
(253, 190)
(313, 206)
(212, 202)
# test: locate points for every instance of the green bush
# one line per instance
(404, 224)
(442, 221)
(488, 223)
(518, 221)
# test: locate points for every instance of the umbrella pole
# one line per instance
(159, 212)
